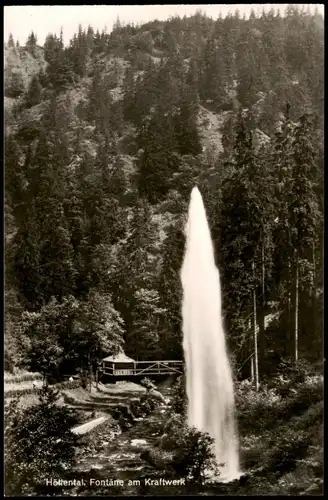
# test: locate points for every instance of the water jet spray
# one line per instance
(209, 384)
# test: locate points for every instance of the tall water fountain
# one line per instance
(209, 379)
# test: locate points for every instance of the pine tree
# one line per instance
(97, 42)
(283, 258)
(80, 52)
(304, 214)
(74, 224)
(129, 95)
(192, 82)
(31, 44)
(251, 80)
(14, 173)
(169, 286)
(60, 69)
(11, 42)
(34, 92)
(14, 84)
(131, 273)
(186, 131)
(43, 255)
(142, 339)
(158, 161)
(245, 202)
(215, 80)
(145, 93)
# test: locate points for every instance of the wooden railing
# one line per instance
(146, 368)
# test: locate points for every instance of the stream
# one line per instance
(120, 459)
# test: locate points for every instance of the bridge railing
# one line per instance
(146, 368)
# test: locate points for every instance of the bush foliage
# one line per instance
(194, 456)
(39, 445)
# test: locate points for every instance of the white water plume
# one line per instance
(210, 390)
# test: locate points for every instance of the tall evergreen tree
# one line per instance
(11, 42)
(31, 43)
(186, 131)
(304, 217)
(34, 92)
(170, 290)
(158, 161)
(245, 201)
(283, 258)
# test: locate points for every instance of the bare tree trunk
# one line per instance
(314, 291)
(290, 343)
(90, 371)
(261, 314)
(252, 369)
(251, 349)
(296, 309)
(256, 361)
(289, 301)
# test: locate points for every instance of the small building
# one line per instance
(120, 364)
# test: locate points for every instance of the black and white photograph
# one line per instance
(163, 250)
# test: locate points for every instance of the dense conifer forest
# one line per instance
(104, 140)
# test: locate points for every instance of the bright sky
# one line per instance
(43, 19)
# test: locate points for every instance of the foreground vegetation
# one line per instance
(281, 439)
(40, 444)
(280, 432)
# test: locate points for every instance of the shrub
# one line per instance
(146, 404)
(192, 449)
(259, 410)
(294, 372)
(179, 396)
(309, 419)
(174, 424)
(227, 105)
(255, 410)
(38, 444)
(149, 402)
(166, 442)
(147, 383)
(194, 456)
(84, 378)
(280, 449)
(69, 384)
(290, 448)
(8, 361)
(14, 84)
(303, 398)
(188, 452)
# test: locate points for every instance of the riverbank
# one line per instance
(110, 459)
(89, 404)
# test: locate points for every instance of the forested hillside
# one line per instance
(105, 139)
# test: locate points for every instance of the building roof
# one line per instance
(119, 358)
